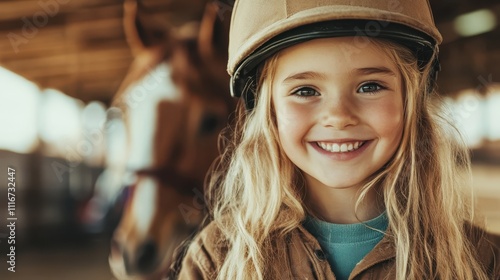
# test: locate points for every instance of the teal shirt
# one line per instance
(346, 244)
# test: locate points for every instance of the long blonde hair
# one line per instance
(257, 192)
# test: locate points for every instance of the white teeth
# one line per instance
(342, 148)
(336, 148)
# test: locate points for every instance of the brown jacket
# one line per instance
(304, 259)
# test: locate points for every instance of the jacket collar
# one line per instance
(383, 251)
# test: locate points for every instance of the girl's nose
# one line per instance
(339, 113)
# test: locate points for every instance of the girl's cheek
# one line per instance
(290, 114)
(387, 116)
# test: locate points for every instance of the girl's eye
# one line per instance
(370, 88)
(305, 92)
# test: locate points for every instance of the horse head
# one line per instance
(165, 203)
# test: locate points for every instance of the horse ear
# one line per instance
(130, 27)
(213, 37)
(140, 31)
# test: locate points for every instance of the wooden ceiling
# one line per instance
(470, 62)
(79, 47)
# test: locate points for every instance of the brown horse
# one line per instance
(166, 203)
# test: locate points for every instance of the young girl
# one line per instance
(340, 166)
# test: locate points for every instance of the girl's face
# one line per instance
(339, 112)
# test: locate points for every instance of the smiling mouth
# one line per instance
(340, 147)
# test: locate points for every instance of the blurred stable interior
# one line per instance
(61, 62)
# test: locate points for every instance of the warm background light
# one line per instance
(18, 112)
(475, 23)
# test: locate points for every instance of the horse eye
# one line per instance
(209, 122)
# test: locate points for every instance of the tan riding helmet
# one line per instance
(260, 28)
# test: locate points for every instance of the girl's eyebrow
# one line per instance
(308, 75)
(312, 75)
(375, 70)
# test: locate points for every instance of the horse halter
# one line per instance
(169, 178)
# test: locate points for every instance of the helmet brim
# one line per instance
(423, 46)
